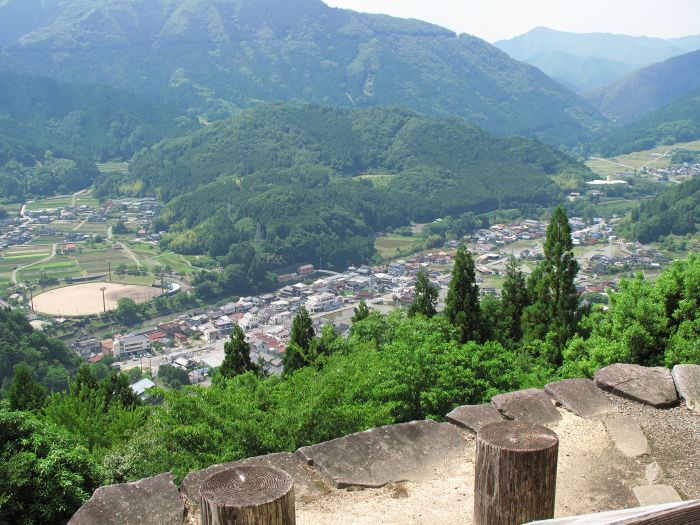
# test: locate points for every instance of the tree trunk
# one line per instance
(248, 495)
(516, 472)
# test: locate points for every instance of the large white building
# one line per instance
(126, 346)
(321, 302)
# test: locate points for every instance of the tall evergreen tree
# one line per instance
(360, 312)
(237, 355)
(462, 303)
(299, 349)
(554, 308)
(25, 393)
(514, 299)
(425, 296)
(302, 333)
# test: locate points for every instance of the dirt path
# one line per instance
(130, 254)
(13, 277)
(615, 163)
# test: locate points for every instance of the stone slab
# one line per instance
(655, 495)
(628, 436)
(654, 473)
(308, 486)
(403, 452)
(687, 380)
(581, 397)
(473, 417)
(531, 405)
(649, 385)
(150, 500)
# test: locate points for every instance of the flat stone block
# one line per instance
(649, 385)
(687, 380)
(655, 495)
(581, 397)
(307, 485)
(531, 405)
(628, 436)
(403, 452)
(473, 417)
(654, 473)
(150, 500)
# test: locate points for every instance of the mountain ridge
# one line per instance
(271, 51)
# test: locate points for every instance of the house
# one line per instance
(305, 269)
(140, 387)
(87, 346)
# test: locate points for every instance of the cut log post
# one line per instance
(248, 495)
(516, 473)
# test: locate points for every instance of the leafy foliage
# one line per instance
(237, 355)
(50, 360)
(44, 474)
(462, 302)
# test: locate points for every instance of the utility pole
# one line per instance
(109, 266)
(104, 305)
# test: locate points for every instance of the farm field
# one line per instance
(113, 167)
(61, 201)
(387, 245)
(629, 164)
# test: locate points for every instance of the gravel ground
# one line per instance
(674, 438)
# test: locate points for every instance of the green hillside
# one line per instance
(51, 133)
(648, 89)
(292, 178)
(675, 211)
(676, 122)
(214, 56)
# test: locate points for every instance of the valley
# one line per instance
(248, 229)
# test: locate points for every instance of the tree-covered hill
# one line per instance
(678, 121)
(51, 133)
(647, 89)
(215, 56)
(675, 211)
(314, 183)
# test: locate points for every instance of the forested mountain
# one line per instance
(675, 211)
(592, 60)
(678, 121)
(650, 88)
(51, 133)
(214, 56)
(313, 183)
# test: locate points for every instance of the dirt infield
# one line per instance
(86, 299)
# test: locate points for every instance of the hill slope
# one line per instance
(676, 122)
(591, 60)
(218, 55)
(51, 132)
(643, 91)
(305, 182)
(675, 211)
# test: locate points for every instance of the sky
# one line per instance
(502, 19)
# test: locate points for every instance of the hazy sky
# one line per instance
(498, 19)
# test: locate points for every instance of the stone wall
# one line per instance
(406, 451)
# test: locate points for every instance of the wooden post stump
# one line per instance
(516, 473)
(248, 495)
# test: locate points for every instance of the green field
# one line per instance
(113, 167)
(387, 245)
(51, 203)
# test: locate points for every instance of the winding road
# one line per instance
(13, 277)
